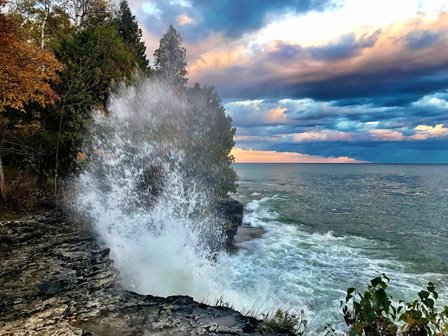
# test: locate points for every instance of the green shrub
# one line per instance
(372, 313)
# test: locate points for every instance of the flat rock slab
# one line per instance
(56, 279)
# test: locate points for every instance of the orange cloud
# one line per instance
(260, 156)
(326, 135)
(222, 58)
(424, 132)
(277, 115)
(185, 20)
(387, 135)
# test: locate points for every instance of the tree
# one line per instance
(170, 61)
(40, 20)
(87, 13)
(206, 134)
(211, 139)
(25, 77)
(95, 59)
(131, 34)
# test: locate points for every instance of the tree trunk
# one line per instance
(3, 124)
(2, 181)
(56, 158)
(42, 28)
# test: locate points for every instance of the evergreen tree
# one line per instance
(211, 140)
(170, 61)
(131, 34)
(94, 59)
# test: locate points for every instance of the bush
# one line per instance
(373, 312)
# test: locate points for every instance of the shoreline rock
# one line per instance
(56, 279)
(246, 233)
(232, 211)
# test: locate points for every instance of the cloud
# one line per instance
(386, 135)
(184, 19)
(434, 150)
(260, 156)
(373, 65)
(319, 79)
(422, 39)
(424, 132)
(276, 115)
(318, 136)
(346, 46)
(232, 18)
(437, 100)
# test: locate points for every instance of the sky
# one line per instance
(319, 80)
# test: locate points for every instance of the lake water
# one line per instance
(330, 227)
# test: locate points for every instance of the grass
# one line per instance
(282, 321)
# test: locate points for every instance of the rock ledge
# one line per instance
(55, 279)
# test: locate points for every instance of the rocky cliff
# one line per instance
(55, 279)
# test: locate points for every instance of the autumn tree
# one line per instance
(170, 61)
(131, 34)
(26, 72)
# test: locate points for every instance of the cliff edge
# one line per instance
(56, 279)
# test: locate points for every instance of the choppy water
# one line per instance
(330, 227)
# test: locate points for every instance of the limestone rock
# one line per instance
(56, 279)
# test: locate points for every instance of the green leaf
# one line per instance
(376, 281)
(349, 295)
(423, 294)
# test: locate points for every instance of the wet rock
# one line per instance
(232, 211)
(247, 233)
(56, 279)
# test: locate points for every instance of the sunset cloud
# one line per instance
(323, 78)
(276, 115)
(259, 156)
(185, 20)
(326, 135)
(424, 131)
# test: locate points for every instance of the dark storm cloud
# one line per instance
(346, 46)
(235, 17)
(382, 87)
(422, 39)
(285, 51)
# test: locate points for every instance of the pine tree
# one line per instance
(132, 34)
(170, 58)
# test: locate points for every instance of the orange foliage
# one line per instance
(26, 71)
